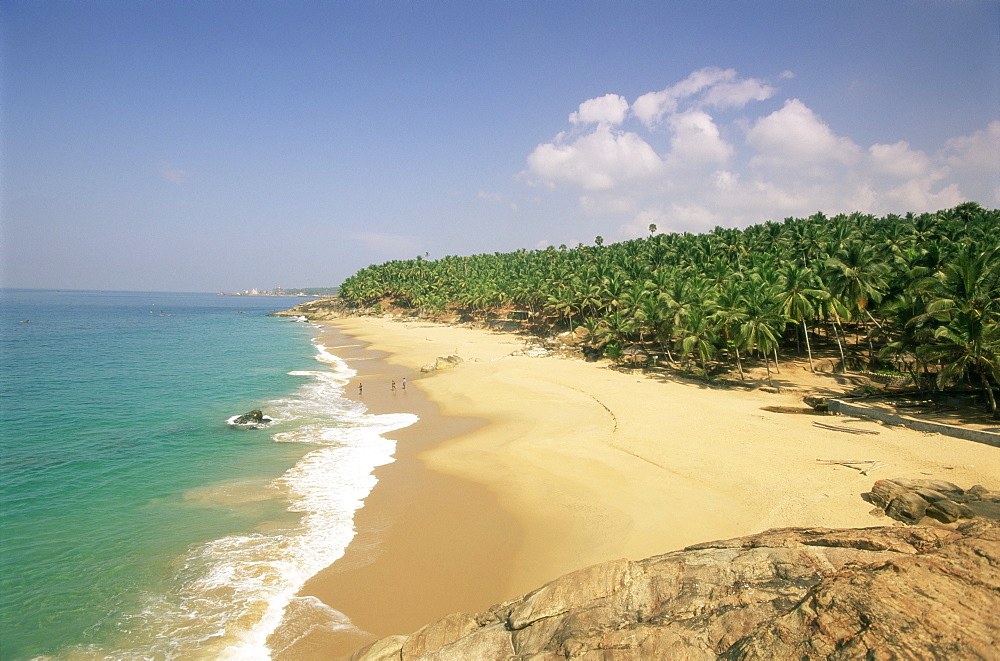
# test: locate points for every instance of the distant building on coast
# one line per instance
(279, 291)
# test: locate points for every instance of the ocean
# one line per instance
(136, 522)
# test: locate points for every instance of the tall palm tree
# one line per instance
(698, 336)
(761, 328)
(966, 302)
(967, 345)
(856, 275)
(796, 296)
(728, 315)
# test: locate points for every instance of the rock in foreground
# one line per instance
(910, 501)
(794, 593)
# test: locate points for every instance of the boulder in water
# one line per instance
(252, 419)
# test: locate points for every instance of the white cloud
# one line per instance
(790, 161)
(607, 109)
(723, 88)
(652, 106)
(639, 224)
(696, 139)
(738, 93)
(796, 137)
(689, 217)
(600, 160)
(726, 180)
(918, 194)
(599, 205)
(975, 160)
(981, 149)
(898, 160)
(907, 178)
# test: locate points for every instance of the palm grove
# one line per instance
(919, 294)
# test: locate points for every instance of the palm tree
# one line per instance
(796, 297)
(698, 336)
(966, 302)
(856, 275)
(761, 328)
(565, 304)
(833, 308)
(728, 315)
(965, 345)
(859, 279)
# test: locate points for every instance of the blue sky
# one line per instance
(222, 145)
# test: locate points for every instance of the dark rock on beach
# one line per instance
(817, 402)
(910, 501)
(907, 507)
(793, 593)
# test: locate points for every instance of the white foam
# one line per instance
(233, 591)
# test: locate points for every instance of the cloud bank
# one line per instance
(695, 155)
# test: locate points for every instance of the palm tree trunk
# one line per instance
(776, 368)
(767, 364)
(840, 346)
(809, 350)
(739, 364)
(989, 393)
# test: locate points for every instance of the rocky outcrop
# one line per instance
(255, 418)
(319, 310)
(817, 402)
(910, 501)
(574, 338)
(878, 593)
(442, 363)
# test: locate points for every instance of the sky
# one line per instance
(222, 145)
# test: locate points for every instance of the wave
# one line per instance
(229, 594)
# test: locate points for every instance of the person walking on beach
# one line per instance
(394, 385)
(404, 383)
(360, 389)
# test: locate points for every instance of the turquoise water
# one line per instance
(137, 523)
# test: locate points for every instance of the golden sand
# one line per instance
(524, 468)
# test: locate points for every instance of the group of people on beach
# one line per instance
(361, 386)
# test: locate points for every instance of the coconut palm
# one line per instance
(966, 302)
(797, 296)
(761, 328)
(698, 336)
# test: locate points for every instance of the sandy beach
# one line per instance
(525, 468)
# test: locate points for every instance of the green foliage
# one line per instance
(613, 351)
(919, 290)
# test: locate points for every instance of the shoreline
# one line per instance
(390, 579)
(589, 464)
